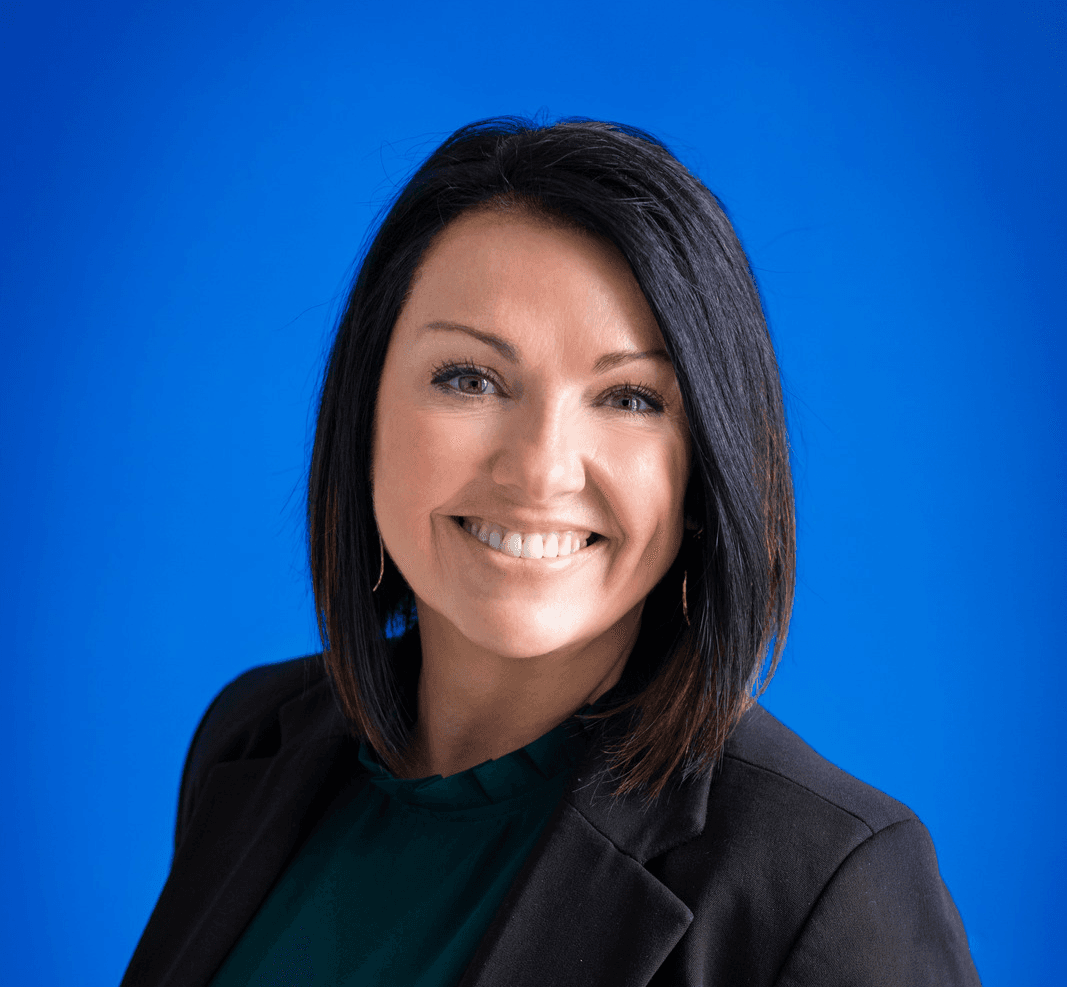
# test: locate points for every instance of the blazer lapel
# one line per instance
(248, 819)
(585, 910)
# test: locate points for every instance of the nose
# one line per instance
(540, 456)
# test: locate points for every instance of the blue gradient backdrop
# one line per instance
(184, 188)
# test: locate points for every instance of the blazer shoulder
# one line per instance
(242, 722)
(762, 744)
(239, 720)
(835, 880)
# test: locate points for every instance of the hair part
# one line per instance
(685, 685)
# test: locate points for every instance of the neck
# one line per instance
(475, 705)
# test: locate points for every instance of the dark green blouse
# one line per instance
(398, 883)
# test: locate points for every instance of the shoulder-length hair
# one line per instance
(691, 676)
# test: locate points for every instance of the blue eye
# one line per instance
(633, 402)
(637, 400)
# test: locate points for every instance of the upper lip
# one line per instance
(530, 526)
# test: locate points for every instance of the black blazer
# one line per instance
(781, 870)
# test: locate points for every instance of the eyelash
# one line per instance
(445, 372)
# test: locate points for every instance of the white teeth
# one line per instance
(533, 546)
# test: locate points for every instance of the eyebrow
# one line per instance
(603, 364)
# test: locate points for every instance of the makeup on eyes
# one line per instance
(449, 370)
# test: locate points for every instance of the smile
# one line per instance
(533, 545)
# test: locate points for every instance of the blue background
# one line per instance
(184, 188)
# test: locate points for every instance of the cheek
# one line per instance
(421, 458)
(649, 490)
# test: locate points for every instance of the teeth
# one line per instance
(532, 546)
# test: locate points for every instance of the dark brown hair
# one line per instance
(686, 684)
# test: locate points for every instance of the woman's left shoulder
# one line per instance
(771, 762)
(835, 880)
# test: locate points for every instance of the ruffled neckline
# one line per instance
(492, 782)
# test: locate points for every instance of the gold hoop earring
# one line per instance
(381, 569)
(685, 607)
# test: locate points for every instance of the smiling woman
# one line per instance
(528, 482)
(551, 538)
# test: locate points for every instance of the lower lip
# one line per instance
(519, 563)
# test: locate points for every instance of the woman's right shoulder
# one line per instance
(242, 721)
(255, 696)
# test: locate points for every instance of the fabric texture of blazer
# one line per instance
(779, 870)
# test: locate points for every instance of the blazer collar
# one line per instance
(249, 817)
(640, 830)
(585, 909)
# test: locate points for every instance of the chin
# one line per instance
(526, 632)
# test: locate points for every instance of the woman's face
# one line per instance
(526, 402)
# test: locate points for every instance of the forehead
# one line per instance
(512, 270)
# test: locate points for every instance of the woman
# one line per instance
(552, 543)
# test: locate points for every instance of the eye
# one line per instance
(466, 379)
(637, 400)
